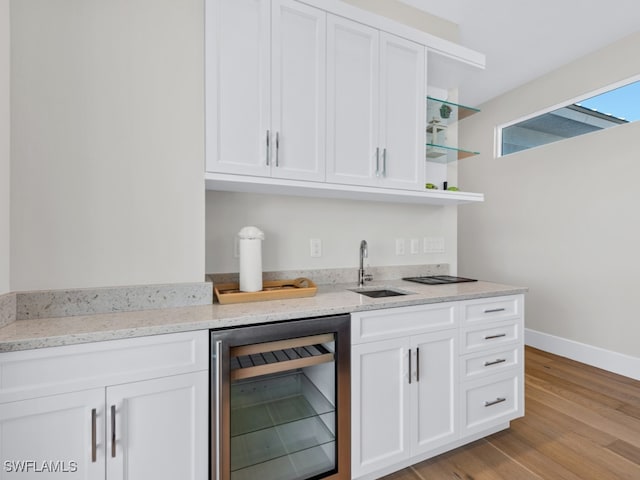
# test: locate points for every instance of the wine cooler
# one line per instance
(280, 401)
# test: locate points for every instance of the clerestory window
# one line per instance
(613, 106)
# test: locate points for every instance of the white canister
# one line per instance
(250, 249)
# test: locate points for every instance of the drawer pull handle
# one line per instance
(113, 431)
(495, 362)
(498, 335)
(495, 310)
(495, 402)
(94, 439)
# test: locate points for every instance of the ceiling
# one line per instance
(524, 40)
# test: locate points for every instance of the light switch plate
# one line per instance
(433, 245)
(399, 246)
(415, 246)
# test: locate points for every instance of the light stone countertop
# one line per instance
(329, 300)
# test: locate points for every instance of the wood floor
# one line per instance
(581, 423)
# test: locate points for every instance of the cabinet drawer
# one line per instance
(54, 370)
(488, 363)
(492, 401)
(399, 322)
(493, 335)
(491, 309)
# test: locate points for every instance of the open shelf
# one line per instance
(440, 115)
(457, 111)
(441, 153)
(275, 186)
(279, 428)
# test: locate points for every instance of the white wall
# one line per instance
(107, 143)
(4, 147)
(561, 219)
(290, 222)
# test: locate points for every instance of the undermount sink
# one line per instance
(380, 293)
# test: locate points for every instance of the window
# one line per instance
(615, 106)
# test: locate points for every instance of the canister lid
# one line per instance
(252, 233)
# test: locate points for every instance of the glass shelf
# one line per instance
(275, 422)
(442, 153)
(456, 111)
(441, 114)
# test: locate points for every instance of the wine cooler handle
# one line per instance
(218, 400)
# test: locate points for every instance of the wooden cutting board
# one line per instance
(271, 290)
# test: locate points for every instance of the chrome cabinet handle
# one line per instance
(377, 161)
(113, 431)
(218, 405)
(94, 440)
(268, 147)
(384, 162)
(277, 149)
(490, 337)
(494, 310)
(495, 402)
(409, 366)
(417, 364)
(495, 362)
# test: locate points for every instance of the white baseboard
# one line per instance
(595, 356)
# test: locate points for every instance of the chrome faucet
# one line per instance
(364, 253)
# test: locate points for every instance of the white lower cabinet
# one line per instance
(404, 390)
(160, 429)
(154, 427)
(426, 379)
(53, 434)
(380, 390)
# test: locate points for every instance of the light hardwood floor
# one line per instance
(581, 423)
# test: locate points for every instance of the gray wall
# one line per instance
(107, 143)
(4, 147)
(562, 218)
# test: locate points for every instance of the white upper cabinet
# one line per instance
(321, 98)
(238, 85)
(298, 98)
(265, 74)
(353, 94)
(375, 108)
(402, 112)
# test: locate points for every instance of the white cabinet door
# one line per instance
(266, 95)
(238, 36)
(298, 94)
(436, 399)
(402, 112)
(352, 102)
(160, 428)
(54, 434)
(380, 405)
(376, 107)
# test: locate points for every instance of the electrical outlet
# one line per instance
(415, 246)
(399, 246)
(315, 247)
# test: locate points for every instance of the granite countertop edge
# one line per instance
(330, 300)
